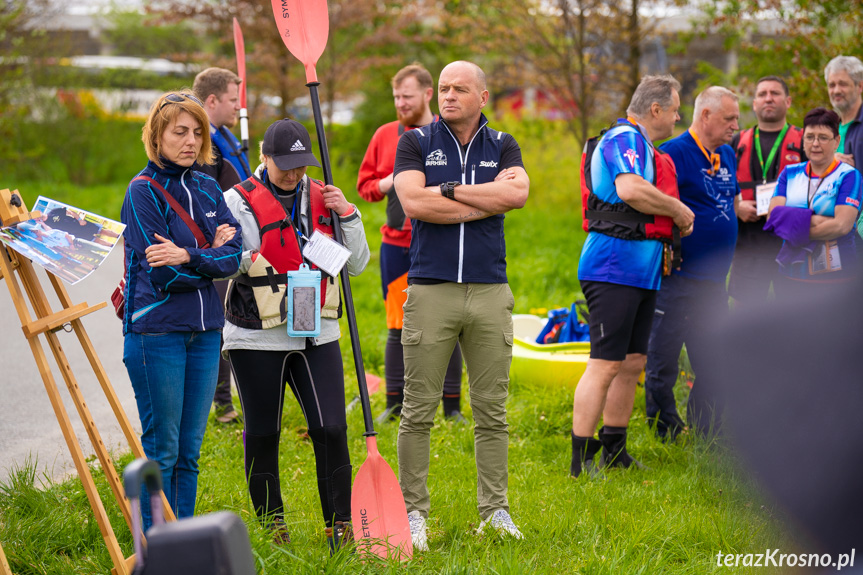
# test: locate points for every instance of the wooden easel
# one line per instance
(4, 565)
(16, 268)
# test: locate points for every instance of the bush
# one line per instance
(72, 141)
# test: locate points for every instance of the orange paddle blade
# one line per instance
(378, 509)
(304, 26)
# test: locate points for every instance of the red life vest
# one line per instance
(256, 299)
(789, 153)
(620, 220)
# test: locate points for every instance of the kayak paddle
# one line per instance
(380, 517)
(240, 49)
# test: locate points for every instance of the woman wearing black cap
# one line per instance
(280, 208)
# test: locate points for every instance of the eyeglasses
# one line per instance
(178, 99)
(821, 138)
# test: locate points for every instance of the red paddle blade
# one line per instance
(378, 509)
(304, 26)
(373, 383)
(240, 49)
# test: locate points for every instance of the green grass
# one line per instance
(673, 518)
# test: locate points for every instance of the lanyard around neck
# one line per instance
(640, 129)
(776, 145)
(713, 158)
(810, 195)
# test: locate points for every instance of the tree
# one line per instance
(363, 35)
(585, 53)
(132, 33)
(23, 43)
(808, 34)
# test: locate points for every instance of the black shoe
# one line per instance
(340, 535)
(614, 454)
(279, 530)
(584, 449)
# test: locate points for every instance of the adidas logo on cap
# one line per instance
(298, 147)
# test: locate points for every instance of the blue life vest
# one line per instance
(229, 147)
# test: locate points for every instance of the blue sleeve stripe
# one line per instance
(206, 193)
(138, 220)
(224, 257)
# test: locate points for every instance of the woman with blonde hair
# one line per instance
(179, 236)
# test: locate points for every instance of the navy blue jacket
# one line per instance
(468, 252)
(175, 298)
(854, 140)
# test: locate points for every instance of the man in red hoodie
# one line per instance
(413, 89)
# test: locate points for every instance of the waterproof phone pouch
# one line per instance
(304, 302)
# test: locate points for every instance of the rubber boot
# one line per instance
(614, 452)
(584, 449)
(340, 535)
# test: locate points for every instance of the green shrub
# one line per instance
(72, 142)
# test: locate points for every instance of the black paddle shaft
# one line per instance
(346, 282)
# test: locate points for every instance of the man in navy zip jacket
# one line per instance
(218, 90)
(456, 178)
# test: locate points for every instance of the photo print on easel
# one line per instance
(69, 242)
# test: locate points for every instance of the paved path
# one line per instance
(28, 427)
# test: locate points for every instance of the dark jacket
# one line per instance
(854, 140)
(469, 252)
(175, 298)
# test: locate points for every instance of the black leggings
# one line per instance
(317, 380)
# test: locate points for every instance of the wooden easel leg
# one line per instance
(39, 302)
(4, 565)
(108, 390)
(105, 528)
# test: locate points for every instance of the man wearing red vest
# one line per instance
(413, 89)
(762, 153)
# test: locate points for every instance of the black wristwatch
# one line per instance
(447, 189)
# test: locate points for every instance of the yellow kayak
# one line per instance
(551, 364)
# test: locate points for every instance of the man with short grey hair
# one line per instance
(844, 77)
(694, 296)
(620, 268)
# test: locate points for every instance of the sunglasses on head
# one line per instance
(178, 98)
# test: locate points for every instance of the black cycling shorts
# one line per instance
(620, 319)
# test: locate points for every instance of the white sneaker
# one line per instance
(418, 531)
(502, 523)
